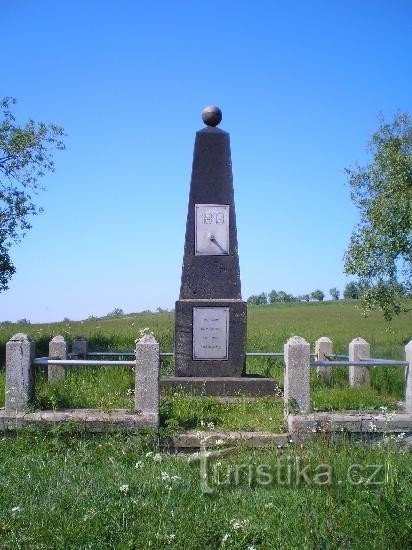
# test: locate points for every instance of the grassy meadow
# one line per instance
(268, 329)
(68, 490)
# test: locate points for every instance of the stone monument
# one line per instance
(210, 315)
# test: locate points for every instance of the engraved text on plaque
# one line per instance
(210, 332)
(211, 229)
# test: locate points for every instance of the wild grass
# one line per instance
(268, 329)
(67, 490)
(61, 490)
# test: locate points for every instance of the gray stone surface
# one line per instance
(57, 350)
(210, 333)
(408, 378)
(147, 375)
(218, 386)
(212, 183)
(212, 115)
(359, 349)
(296, 384)
(185, 365)
(202, 439)
(323, 348)
(20, 353)
(80, 347)
(210, 272)
(350, 422)
(90, 420)
(212, 230)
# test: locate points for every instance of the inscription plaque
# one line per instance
(211, 229)
(210, 333)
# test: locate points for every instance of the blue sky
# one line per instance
(300, 85)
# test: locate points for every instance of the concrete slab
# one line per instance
(222, 386)
(91, 420)
(350, 422)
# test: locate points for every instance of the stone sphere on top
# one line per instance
(211, 115)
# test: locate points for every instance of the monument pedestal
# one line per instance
(249, 386)
(210, 338)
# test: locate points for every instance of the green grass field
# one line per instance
(67, 490)
(268, 329)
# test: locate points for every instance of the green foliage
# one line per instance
(23, 321)
(25, 157)
(352, 291)
(117, 312)
(317, 295)
(258, 299)
(280, 296)
(380, 249)
(334, 292)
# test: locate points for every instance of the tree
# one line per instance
(380, 248)
(25, 157)
(273, 297)
(258, 299)
(334, 292)
(351, 291)
(280, 296)
(117, 312)
(23, 321)
(317, 295)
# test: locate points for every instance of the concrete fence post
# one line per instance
(57, 350)
(408, 378)
(147, 375)
(296, 382)
(20, 354)
(359, 349)
(323, 349)
(80, 347)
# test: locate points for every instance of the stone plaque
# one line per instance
(212, 230)
(210, 333)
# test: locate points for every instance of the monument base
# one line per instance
(251, 386)
(210, 338)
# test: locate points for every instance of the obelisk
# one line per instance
(210, 315)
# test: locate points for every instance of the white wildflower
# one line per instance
(168, 478)
(89, 514)
(157, 457)
(124, 489)
(138, 465)
(239, 523)
(16, 510)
